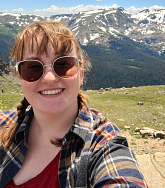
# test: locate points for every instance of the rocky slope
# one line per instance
(127, 49)
(98, 26)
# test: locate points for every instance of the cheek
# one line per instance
(73, 83)
(27, 87)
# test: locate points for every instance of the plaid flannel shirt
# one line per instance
(94, 153)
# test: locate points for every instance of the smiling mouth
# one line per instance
(51, 92)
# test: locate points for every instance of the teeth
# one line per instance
(51, 92)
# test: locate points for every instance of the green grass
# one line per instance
(123, 110)
(9, 83)
(130, 59)
(119, 105)
(133, 143)
(138, 137)
(133, 67)
(93, 28)
(10, 92)
(7, 31)
(9, 100)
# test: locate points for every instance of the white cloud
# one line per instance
(54, 10)
(98, 0)
(156, 7)
(5, 10)
(134, 10)
(18, 10)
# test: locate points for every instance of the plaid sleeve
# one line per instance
(8, 117)
(113, 164)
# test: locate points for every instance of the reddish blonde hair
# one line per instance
(61, 39)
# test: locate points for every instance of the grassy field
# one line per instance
(119, 105)
(10, 92)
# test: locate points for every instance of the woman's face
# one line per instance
(51, 94)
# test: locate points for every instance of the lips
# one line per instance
(51, 92)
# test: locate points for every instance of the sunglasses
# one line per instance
(33, 70)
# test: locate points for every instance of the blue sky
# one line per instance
(52, 7)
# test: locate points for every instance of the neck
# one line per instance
(51, 126)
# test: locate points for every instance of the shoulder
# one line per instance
(96, 128)
(103, 126)
(9, 116)
(103, 133)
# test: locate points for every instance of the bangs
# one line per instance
(38, 38)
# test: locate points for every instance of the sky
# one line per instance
(55, 7)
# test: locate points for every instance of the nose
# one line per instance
(49, 74)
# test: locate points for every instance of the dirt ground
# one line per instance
(147, 152)
(145, 146)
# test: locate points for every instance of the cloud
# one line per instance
(18, 10)
(54, 10)
(5, 10)
(98, 0)
(134, 10)
(156, 7)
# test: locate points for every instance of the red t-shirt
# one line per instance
(46, 179)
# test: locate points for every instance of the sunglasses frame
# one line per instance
(50, 65)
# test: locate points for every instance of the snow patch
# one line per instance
(77, 20)
(91, 12)
(102, 28)
(94, 36)
(150, 32)
(11, 23)
(85, 41)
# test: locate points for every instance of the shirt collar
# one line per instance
(81, 126)
(24, 127)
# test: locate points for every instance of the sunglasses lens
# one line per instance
(30, 70)
(66, 67)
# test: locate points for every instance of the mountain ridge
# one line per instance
(127, 49)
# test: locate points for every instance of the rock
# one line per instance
(101, 90)
(107, 89)
(147, 128)
(146, 132)
(121, 119)
(137, 129)
(159, 134)
(140, 103)
(127, 128)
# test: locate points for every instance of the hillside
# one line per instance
(125, 50)
(124, 66)
(119, 105)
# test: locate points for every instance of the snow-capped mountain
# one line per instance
(98, 26)
(147, 26)
(125, 49)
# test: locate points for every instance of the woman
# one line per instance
(54, 139)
